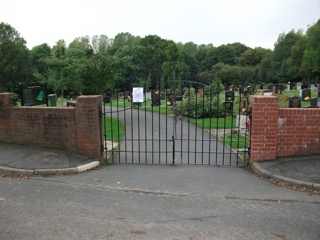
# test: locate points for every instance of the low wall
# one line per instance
(298, 132)
(282, 132)
(74, 128)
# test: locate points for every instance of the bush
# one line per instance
(202, 107)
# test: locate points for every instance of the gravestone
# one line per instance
(270, 87)
(241, 123)
(299, 84)
(279, 89)
(228, 106)
(288, 87)
(313, 87)
(314, 102)
(229, 96)
(294, 102)
(155, 100)
(305, 94)
(304, 86)
(266, 92)
(147, 96)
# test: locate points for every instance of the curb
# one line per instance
(59, 171)
(260, 171)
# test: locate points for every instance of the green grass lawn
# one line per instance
(207, 123)
(145, 106)
(114, 130)
(283, 99)
(236, 141)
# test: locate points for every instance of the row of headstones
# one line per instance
(279, 88)
(295, 102)
(301, 86)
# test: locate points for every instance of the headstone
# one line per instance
(274, 89)
(288, 87)
(241, 123)
(270, 87)
(228, 106)
(230, 96)
(294, 102)
(299, 84)
(313, 87)
(305, 94)
(304, 86)
(279, 89)
(155, 100)
(314, 102)
(148, 96)
(266, 92)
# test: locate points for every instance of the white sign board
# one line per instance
(137, 94)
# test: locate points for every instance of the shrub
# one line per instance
(202, 107)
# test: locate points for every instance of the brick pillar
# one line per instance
(264, 126)
(88, 123)
(6, 101)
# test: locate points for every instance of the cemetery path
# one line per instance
(154, 138)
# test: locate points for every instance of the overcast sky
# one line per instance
(255, 23)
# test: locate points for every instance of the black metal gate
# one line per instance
(197, 124)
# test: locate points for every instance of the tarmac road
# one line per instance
(155, 202)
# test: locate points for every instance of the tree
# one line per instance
(100, 44)
(153, 57)
(253, 56)
(65, 67)
(172, 66)
(14, 59)
(121, 40)
(225, 54)
(291, 66)
(227, 74)
(311, 57)
(238, 48)
(281, 52)
(191, 67)
(201, 55)
(190, 48)
(265, 70)
(38, 56)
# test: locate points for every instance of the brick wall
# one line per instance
(298, 131)
(74, 129)
(282, 132)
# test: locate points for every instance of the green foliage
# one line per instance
(14, 59)
(311, 56)
(104, 65)
(200, 106)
